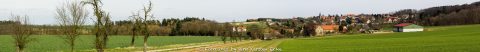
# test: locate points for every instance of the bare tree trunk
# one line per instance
(72, 46)
(145, 46)
(105, 40)
(97, 43)
(132, 42)
(19, 49)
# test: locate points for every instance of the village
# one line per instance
(330, 25)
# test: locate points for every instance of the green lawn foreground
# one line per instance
(463, 38)
(54, 43)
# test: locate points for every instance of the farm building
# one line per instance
(407, 27)
(321, 30)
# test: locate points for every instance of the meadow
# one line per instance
(54, 43)
(462, 38)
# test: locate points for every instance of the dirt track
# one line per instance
(243, 46)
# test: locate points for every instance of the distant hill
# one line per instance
(446, 15)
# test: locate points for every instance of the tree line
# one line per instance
(190, 26)
(444, 15)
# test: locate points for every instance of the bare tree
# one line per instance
(22, 32)
(146, 12)
(136, 19)
(225, 30)
(102, 25)
(71, 17)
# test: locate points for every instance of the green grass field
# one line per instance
(463, 38)
(53, 43)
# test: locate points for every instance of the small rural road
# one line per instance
(195, 47)
(246, 45)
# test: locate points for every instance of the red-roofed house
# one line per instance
(321, 30)
(407, 27)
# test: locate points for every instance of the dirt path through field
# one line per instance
(193, 48)
(242, 46)
(217, 46)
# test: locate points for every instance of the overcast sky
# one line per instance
(42, 11)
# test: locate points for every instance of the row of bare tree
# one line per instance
(72, 16)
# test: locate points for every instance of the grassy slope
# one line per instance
(48, 43)
(463, 38)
